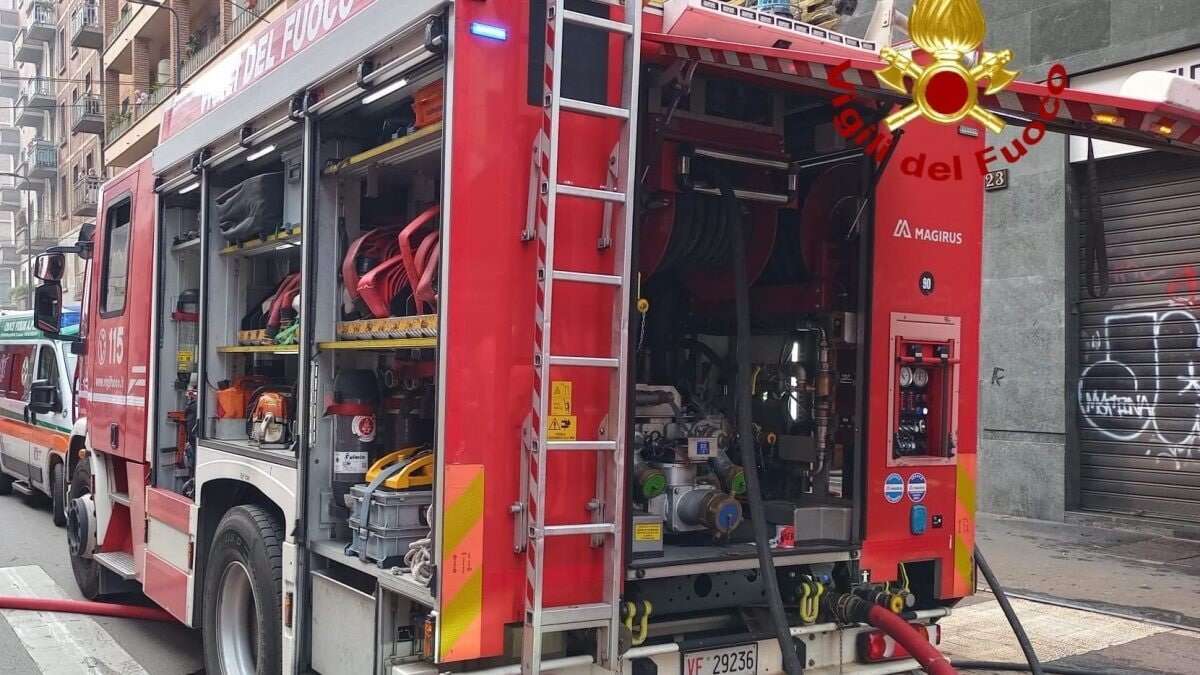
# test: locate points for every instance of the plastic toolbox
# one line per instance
(392, 509)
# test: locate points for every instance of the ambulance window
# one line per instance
(116, 260)
(15, 370)
(47, 366)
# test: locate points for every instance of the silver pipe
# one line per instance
(748, 195)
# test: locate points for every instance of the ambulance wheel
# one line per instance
(58, 495)
(86, 570)
(242, 585)
(6, 482)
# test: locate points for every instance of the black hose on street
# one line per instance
(1034, 666)
(743, 403)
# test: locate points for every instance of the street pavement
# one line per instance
(1091, 597)
(33, 557)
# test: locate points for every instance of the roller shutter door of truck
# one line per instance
(1138, 376)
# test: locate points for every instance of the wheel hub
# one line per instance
(237, 621)
(81, 526)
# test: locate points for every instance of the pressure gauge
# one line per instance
(906, 376)
(920, 377)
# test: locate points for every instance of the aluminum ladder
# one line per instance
(604, 529)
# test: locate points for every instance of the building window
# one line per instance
(62, 50)
(62, 196)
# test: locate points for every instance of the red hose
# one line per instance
(85, 607)
(898, 629)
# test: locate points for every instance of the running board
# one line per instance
(118, 562)
(23, 487)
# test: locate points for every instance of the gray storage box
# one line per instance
(382, 546)
(391, 509)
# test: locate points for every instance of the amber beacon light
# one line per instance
(947, 90)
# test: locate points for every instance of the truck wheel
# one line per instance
(58, 495)
(243, 581)
(87, 570)
(6, 482)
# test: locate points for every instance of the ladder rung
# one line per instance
(588, 278)
(581, 19)
(581, 446)
(582, 528)
(589, 108)
(591, 193)
(576, 615)
(584, 361)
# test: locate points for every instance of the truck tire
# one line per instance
(86, 570)
(243, 581)
(58, 495)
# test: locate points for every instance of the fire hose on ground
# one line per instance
(85, 607)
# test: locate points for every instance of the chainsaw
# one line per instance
(268, 416)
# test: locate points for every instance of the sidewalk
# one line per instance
(1130, 573)
(1089, 597)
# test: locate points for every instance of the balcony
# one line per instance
(8, 256)
(38, 19)
(10, 140)
(129, 115)
(87, 115)
(37, 96)
(86, 32)
(10, 24)
(34, 237)
(39, 162)
(26, 49)
(87, 195)
(10, 82)
(128, 11)
(10, 200)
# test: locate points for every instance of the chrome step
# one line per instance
(572, 617)
(23, 487)
(119, 562)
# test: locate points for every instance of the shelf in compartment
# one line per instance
(258, 349)
(403, 584)
(284, 240)
(393, 153)
(685, 560)
(394, 343)
(192, 244)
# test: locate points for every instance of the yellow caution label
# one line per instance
(560, 397)
(183, 360)
(560, 428)
(647, 532)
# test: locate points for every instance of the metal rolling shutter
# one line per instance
(1138, 387)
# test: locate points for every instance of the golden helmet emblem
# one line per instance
(947, 90)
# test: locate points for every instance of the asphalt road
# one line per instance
(28, 539)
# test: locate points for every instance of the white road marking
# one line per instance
(58, 642)
(981, 633)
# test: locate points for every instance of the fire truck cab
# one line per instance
(543, 336)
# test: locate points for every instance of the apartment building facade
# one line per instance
(150, 50)
(57, 124)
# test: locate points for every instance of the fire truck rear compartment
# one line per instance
(800, 198)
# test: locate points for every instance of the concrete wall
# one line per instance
(1023, 467)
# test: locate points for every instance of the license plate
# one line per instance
(738, 660)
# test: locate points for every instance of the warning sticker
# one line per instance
(349, 462)
(560, 428)
(647, 532)
(560, 397)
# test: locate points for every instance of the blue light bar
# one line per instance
(488, 31)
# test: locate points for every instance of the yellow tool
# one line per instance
(418, 472)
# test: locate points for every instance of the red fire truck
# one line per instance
(546, 336)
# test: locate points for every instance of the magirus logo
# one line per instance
(906, 231)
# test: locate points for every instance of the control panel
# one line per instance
(924, 390)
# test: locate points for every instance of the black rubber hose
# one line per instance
(1035, 666)
(743, 403)
(1024, 668)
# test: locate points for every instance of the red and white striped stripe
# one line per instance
(1079, 110)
